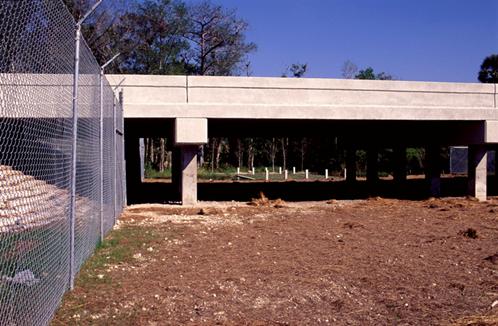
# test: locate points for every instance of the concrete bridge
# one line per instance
(367, 114)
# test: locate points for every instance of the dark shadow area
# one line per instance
(359, 132)
(414, 189)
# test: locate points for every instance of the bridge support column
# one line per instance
(351, 165)
(477, 171)
(142, 159)
(372, 165)
(399, 167)
(189, 134)
(187, 174)
(433, 170)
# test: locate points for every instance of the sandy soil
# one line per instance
(363, 262)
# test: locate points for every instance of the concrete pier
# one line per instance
(477, 171)
(372, 165)
(433, 170)
(190, 133)
(351, 165)
(399, 166)
(188, 174)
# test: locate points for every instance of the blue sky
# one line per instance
(429, 40)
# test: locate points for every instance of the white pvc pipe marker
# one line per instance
(306, 174)
(286, 175)
(326, 173)
(267, 174)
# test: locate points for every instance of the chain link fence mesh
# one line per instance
(459, 160)
(36, 80)
(109, 175)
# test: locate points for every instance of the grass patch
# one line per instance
(152, 173)
(118, 248)
(94, 279)
(229, 173)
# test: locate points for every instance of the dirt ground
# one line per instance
(362, 262)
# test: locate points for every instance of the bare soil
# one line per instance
(362, 262)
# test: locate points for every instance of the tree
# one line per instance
(303, 148)
(349, 70)
(296, 70)
(216, 45)
(217, 40)
(284, 142)
(489, 69)
(151, 38)
(149, 34)
(162, 156)
(368, 73)
(272, 152)
(250, 152)
(99, 28)
(31, 37)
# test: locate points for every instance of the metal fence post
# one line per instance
(101, 154)
(72, 216)
(114, 158)
(123, 165)
(116, 131)
(101, 158)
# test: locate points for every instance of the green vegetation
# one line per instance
(314, 158)
(489, 70)
(152, 173)
(368, 73)
(118, 248)
(350, 71)
(164, 37)
(230, 173)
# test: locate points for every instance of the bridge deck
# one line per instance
(290, 98)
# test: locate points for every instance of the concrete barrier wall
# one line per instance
(293, 91)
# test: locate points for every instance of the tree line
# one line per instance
(164, 37)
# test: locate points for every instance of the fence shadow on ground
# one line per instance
(414, 189)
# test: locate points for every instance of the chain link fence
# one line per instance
(37, 51)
